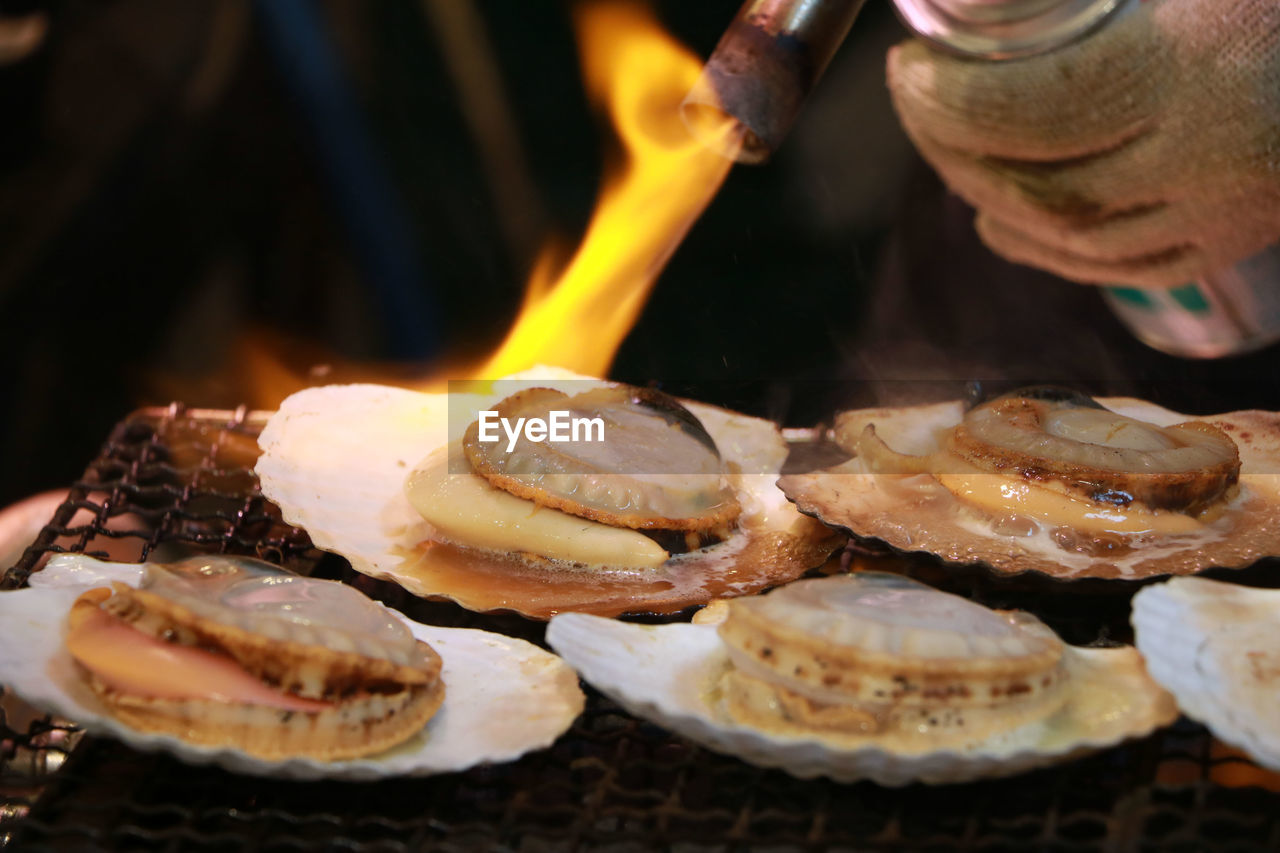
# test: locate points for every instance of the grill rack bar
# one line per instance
(175, 479)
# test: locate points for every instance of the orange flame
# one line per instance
(641, 75)
(578, 319)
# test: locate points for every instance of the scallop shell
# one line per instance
(925, 517)
(504, 697)
(335, 460)
(672, 675)
(1216, 647)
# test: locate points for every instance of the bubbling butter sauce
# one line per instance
(929, 504)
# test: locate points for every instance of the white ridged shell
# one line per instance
(666, 674)
(1216, 647)
(504, 697)
(321, 437)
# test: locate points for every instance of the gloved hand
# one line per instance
(1146, 154)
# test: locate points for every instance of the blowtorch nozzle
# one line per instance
(768, 60)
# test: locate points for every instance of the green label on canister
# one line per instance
(1233, 311)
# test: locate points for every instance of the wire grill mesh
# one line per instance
(175, 480)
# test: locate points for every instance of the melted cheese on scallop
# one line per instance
(1003, 495)
(467, 510)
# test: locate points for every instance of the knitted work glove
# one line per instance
(1146, 154)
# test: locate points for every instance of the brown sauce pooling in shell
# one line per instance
(755, 558)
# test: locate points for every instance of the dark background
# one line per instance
(177, 179)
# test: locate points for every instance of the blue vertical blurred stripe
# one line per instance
(376, 222)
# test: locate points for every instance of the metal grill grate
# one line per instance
(173, 480)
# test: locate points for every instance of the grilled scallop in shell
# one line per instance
(231, 652)
(230, 661)
(870, 676)
(1076, 445)
(676, 506)
(1057, 482)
